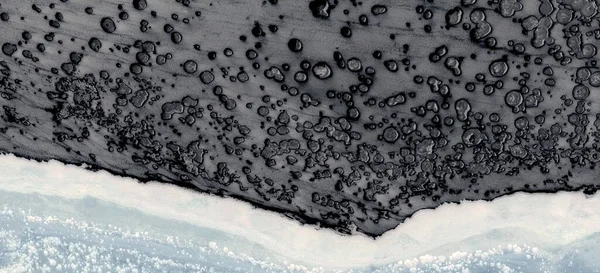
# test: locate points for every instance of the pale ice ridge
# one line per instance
(58, 218)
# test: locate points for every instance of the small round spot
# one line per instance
(108, 25)
(295, 45)
(9, 49)
(190, 66)
(390, 134)
(322, 70)
(498, 68)
(207, 77)
(346, 32)
(140, 4)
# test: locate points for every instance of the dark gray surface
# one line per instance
(464, 101)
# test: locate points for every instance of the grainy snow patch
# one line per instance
(62, 218)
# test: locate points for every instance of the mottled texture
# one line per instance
(352, 115)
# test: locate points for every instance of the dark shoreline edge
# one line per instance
(297, 217)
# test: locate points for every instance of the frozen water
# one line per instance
(59, 218)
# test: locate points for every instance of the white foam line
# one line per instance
(555, 218)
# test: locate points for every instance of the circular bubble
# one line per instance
(161, 59)
(363, 20)
(470, 87)
(140, 4)
(390, 134)
(243, 76)
(9, 49)
(207, 77)
(95, 44)
(513, 98)
(142, 57)
(136, 69)
(580, 92)
(353, 113)
(322, 70)
(190, 66)
(346, 32)
(539, 119)
(168, 28)
(41, 47)
(494, 117)
(498, 68)
(123, 15)
(564, 16)
(595, 79)
(472, 137)
(583, 74)
(521, 123)
(301, 77)
(378, 9)
(4, 16)
(354, 65)
(108, 25)
(489, 89)
(263, 111)
(176, 37)
(295, 45)
(251, 54)
(391, 65)
(293, 91)
(448, 121)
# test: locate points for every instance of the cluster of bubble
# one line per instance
(344, 115)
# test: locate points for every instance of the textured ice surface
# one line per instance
(351, 115)
(97, 222)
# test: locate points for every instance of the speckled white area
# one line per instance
(58, 218)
